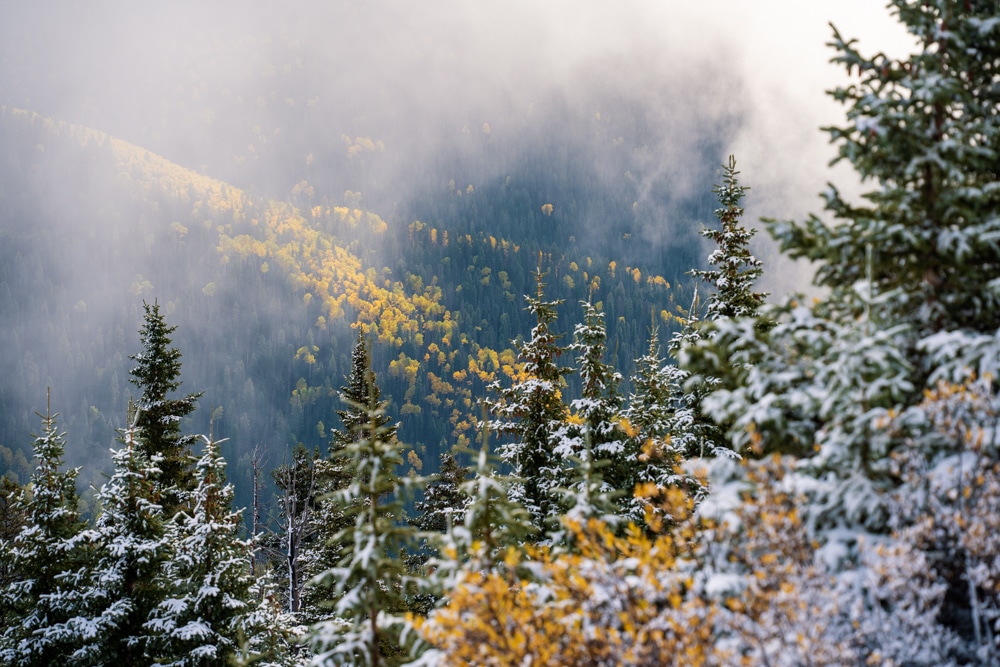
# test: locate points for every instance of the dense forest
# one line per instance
(634, 454)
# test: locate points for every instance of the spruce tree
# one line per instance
(132, 541)
(531, 411)
(201, 620)
(691, 432)
(599, 441)
(47, 556)
(922, 130)
(157, 375)
(336, 472)
(369, 582)
(736, 268)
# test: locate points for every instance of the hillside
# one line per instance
(266, 295)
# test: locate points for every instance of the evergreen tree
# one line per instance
(737, 270)
(691, 432)
(531, 411)
(201, 620)
(361, 390)
(922, 129)
(598, 441)
(369, 582)
(46, 556)
(157, 375)
(912, 299)
(335, 474)
(442, 507)
(492, 522)
(648, 415)
(125, 584)
(12, 521)
(443, 500)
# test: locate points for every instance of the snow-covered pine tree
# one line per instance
(132, 542)
(47, 556)
(691, 432)
(157, 375)
(369, 582)
(736, 268)
(201, 620)
(922, 129)
(361, 390)
(328, 518)
(335, 473)
(648, 413)
(912, 298)
(12, 520)
(442, 506)
(443, 500)
(492, 522)
(531, 411)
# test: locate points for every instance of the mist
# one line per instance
(617, 114)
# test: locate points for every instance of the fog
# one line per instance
(392, 100)
(185, 79)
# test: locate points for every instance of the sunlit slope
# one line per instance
(266, 297)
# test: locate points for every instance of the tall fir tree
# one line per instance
(691, 432)
(336, 472)
(48, 555)
(203, 618)
(157, 375)
(736, 268)
(125, 584)
(531, 411)
(599, 441)
(910, 299)
(369, 582)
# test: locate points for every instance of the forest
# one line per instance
(466, 430)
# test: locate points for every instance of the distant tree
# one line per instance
(531, 411)
(361, 390)
(200, 621)
(369, 583)
(443, 501)
(46, 556)
(157, 375)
